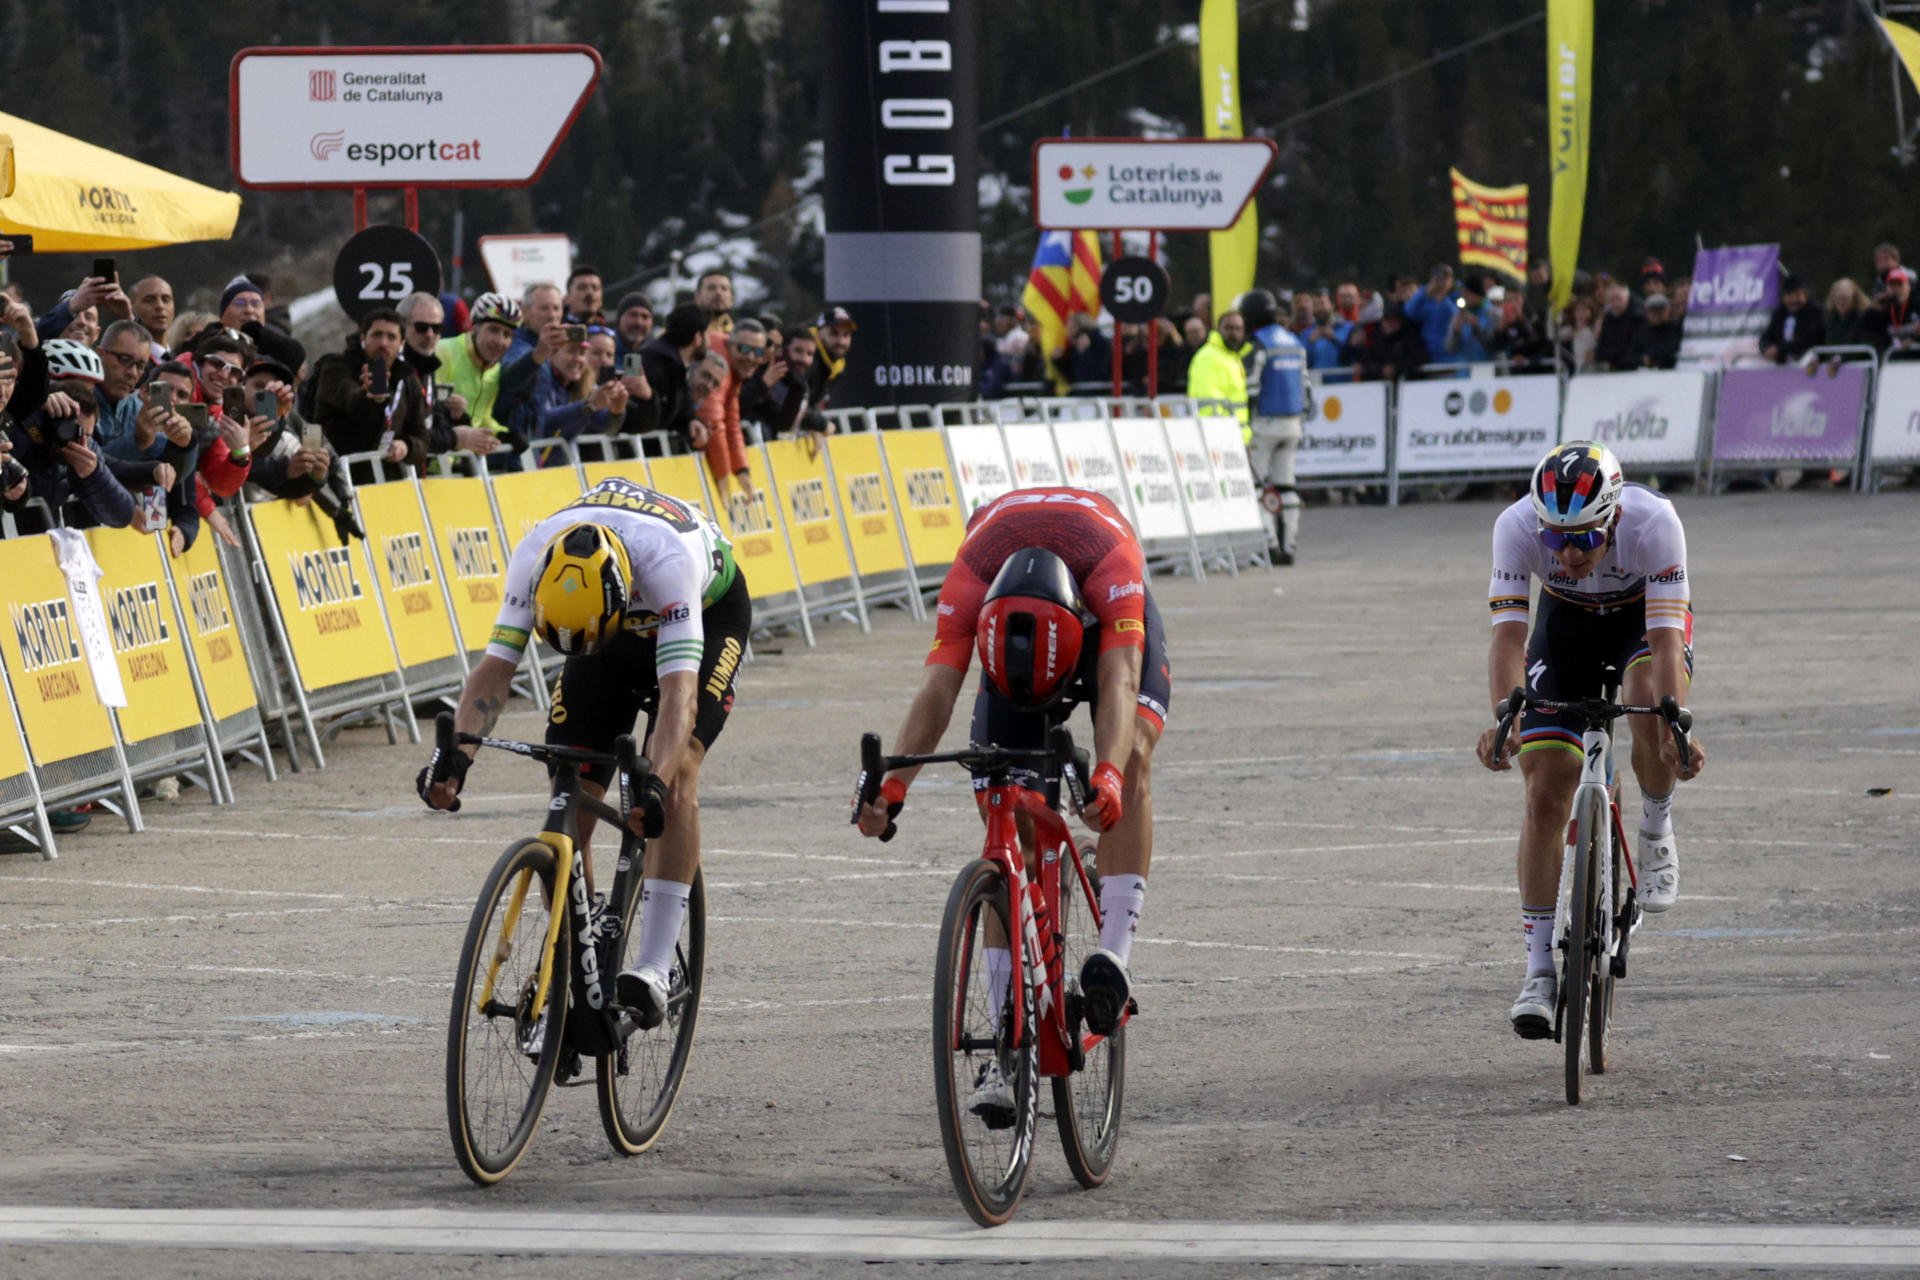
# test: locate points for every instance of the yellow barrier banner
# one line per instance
(861, 480)
(924, 492)
(680, 478)
(634, 469)
(526, 498)
(146, 635)
(404, 567)
(807, 503)
(41, 647)
(325, 601)
(759, 544)
(461, 522)
(13, 752)
(225, 673)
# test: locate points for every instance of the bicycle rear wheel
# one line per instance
(988, 1151)
(1583, 942)
(638, 1082)
(501, 1056)
(1086, 1103)
(1600, 1011)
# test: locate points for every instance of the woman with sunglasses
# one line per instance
(1611, 558)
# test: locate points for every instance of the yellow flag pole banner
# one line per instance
(1492, 224)
(74, 197)
(1569, 96)
(1235, 252)
(1906, 43)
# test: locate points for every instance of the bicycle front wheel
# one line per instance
(986, 1086)
(1584, 935)
(638, 1082)
(1086, 1103)
(501, 1050)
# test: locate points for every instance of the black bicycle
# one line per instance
(534, 996)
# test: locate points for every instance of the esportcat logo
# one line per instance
(325, 146)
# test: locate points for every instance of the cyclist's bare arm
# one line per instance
(1119, 680)
(920, 733)
(1506, 669)
(1669, 668)
(482, 699)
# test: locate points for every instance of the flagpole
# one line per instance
(1117, 252)
(1153, 328)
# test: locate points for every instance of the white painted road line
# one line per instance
(1599, 1244)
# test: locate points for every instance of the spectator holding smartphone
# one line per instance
(65, 468)
(368, 401)
(665, 361)
(569, 399)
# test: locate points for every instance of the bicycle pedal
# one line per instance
(571, 1072)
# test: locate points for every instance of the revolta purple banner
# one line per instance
(1734, 292)
(1788, 415)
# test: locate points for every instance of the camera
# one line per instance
(61, 431)
(11, 474)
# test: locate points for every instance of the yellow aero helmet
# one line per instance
(580, 593)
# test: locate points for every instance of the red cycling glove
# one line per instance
(1103, 798)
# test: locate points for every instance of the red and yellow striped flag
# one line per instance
(1492, 222)
(1065, 278)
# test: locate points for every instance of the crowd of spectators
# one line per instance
(117, 411)
(1409, 328)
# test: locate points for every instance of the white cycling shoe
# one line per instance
(644, 993)
(992, 1097)
(1659, 871)
(1533, 1012)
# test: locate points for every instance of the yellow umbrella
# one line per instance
(73, 197)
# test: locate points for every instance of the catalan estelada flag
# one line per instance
(1065, 278)
(1492, 222)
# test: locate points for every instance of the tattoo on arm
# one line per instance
(489, 709)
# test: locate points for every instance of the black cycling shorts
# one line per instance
(599, 696)
(1566, 653)
(1000, 723)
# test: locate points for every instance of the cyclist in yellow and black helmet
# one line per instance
(639, 591)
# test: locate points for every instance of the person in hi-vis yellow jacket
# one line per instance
(1218, 372)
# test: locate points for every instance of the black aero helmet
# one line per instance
(1029, 633)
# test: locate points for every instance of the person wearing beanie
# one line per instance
(242, 303)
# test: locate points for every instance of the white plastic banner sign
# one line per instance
(515, 262)
(1087, 452)
(1143, 184)
(1896, 415)
(1232, 473)
(1194, 471)
(83, 576)
(1647, 418)
(1477, 424)
(1147, 468)
(404, 117)
(979, 465)
(1347, 435)
(1030, 450)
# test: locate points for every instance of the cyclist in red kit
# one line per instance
(1049, 586)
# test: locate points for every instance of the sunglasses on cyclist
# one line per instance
(1583, 540)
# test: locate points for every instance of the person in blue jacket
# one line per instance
(1433, 310)
(1278, 402)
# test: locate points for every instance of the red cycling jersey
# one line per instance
(1084, 529)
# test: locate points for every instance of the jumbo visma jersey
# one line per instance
(681, 563)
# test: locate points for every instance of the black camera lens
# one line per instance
(65, 431)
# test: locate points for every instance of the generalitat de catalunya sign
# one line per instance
(1146, 184)
(391, 116)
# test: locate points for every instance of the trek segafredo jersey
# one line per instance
(681, 563)
(1645, 559)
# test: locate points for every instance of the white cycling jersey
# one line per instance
(681, 563)
(1646, 558)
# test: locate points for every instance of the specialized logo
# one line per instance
(1534, 672)
(325, 146)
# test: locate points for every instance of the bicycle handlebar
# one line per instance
(1679, 719)
(625, 757)
(1059, 755)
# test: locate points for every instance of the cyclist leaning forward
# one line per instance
(1612, 562)
(1039, 573)
(641, 594)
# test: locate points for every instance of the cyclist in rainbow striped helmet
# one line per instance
(1611, 558)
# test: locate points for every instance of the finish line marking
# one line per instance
(1608, 1244)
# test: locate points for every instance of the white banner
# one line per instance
(1194, 470)
(1087, 452)
(515, 262)
(1239, 497)
(1035, 463)
(400, 117)
(1142, 184)
(1147, 468)
(1896, 415)
(1347, 435)
(1476, 424)
(1648, 418)
(83, 576)
(979, 465)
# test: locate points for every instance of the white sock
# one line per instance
(663, 909)
(1537, 926)
(999, 974)
(1121, 900)
(1656, 813)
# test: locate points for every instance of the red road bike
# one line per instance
(1028, 1024)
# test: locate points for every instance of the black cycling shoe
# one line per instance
(1104, 989)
